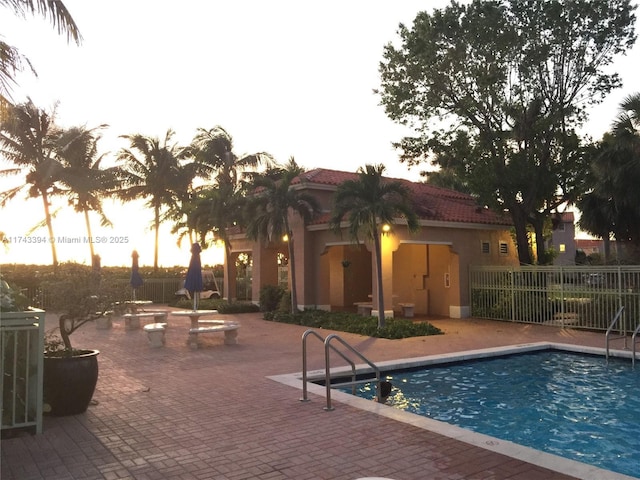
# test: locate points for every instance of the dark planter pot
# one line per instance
(69, 383)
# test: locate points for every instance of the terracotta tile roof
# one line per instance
(430, 202)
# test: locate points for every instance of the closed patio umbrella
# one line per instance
(136, 280)
(193, 282)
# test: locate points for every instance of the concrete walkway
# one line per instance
(212, 413)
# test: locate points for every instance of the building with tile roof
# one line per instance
(427, 269)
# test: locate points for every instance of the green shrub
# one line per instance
(270, 296)
(222, 306)
(237, 307)
(353, 323)
(203, 304)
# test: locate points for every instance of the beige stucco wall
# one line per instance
(428, 269)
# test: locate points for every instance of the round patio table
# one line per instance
(194, 315)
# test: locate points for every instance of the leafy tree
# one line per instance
(11, 60)
(27, 139)
(82, 173)
(268, 209)
(507, 82)
(153, 169)
(612, 207)
(367, 204)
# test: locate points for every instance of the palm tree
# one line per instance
(597, 218)
(153, 170)
(622, 164)
(213, 152)
(269, 209)
(11, 60)
(27, 139)
(627, 125)
(86, 181)
(218, 208)
(613, 205)
(369, 203)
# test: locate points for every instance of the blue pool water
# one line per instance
(575, 406)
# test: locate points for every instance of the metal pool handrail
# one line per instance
(610, 329)
(305, 397)
(327, 347)
(634, 341)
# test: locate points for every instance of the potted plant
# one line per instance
(79, 295)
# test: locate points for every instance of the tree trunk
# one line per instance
(607, 248)
(88, 223)
(227, 272)
(377, 251)
(522, 239)
(52, 239)
(292, 270)
(156, 242)
(541, 250)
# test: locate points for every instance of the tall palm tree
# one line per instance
(153, 170)
(369, 203)
(82, 174)
(268, 212)
(27, 139)
(11, 60)
(213, 151)
(220, 206)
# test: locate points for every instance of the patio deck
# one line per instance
(212, 413)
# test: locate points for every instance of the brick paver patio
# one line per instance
(212, 413)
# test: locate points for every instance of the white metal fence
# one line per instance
(158, 290)
(21, 369)
(577, 297)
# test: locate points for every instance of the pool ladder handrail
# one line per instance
(634, 342)
(305, 397)
(622, 334)
(327, 348)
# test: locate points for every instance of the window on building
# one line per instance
(563, 248)
(504, 248)
(485, 247)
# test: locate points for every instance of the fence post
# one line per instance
(562, 302)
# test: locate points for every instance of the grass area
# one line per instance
(353, 323)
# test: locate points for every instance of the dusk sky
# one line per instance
(287, 77)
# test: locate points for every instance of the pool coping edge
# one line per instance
(510, 449)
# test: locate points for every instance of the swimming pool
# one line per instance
(519, 451)
(573, 405)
